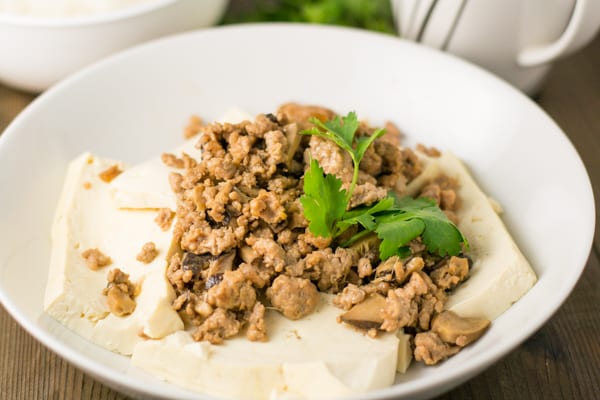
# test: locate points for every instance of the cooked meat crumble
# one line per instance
(110, 173)
(294, 297)
(164, 218)
(171, 160)
(193, 127)
(242, 241)
(120, 293)
(148, 253)
(95, 259)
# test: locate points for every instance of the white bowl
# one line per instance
(36, 52)
(133, 106)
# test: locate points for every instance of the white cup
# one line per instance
(516, 39)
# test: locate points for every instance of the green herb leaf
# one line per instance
(396, 234)
(341, 132)
(395, 221)
(324, 200)
(364, 215)
(439, 234)
(363, 142)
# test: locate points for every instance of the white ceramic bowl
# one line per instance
(134, 105)
(36, 52)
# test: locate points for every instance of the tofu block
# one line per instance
(86, 218)
(314, 357)
(500, 274)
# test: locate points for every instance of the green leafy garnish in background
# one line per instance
(374, 15)
(395, 221)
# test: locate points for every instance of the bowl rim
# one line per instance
(475, 364)
(126, 12)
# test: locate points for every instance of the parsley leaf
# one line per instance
(439, 234)
(324, 200)
(395, 221)
(342, 132)
(396, 234)
(363, 142)
(364, 215)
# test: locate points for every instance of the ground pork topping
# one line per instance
(110, 173)
(257, 329)
(232, 292)
(350, 296)
(193, 127)
(164, 218)
(294, 297)
(219, 326)
(95, 259)
(120, 293)
(430, 349)
(243, 245)
(430, 151)
(171, 160)
(451, 273)
(148, 253)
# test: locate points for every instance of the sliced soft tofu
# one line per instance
(314, 357)
(146, 185)
(86, 218)
(500, 274)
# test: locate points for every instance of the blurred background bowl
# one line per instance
(36, 51)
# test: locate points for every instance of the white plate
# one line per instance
(133, 106)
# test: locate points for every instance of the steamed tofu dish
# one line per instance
(297, 254)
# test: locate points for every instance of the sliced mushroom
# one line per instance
(452, 328)
(223, 263)
(301, 113)
(213, 280)
(293, 139)
(366, 245)
(367, 314)
(415, 264)
(195, 263)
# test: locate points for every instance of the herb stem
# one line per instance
(354, 181)
(356, 238)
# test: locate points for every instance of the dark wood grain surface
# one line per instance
(560, 361)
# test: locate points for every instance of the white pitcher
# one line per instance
(516, 39)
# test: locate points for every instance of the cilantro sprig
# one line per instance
(406, 219)
(395, 221)
(342, 132)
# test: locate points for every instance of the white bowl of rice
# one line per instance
(45, 40)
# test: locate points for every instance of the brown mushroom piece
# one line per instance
(195, 263)
(293, 139)
(217, 267)
(301, 114)
(452, 328)
(365, 245)
(367, 314)
(221, 264)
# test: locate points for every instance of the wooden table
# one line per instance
(560, 361)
